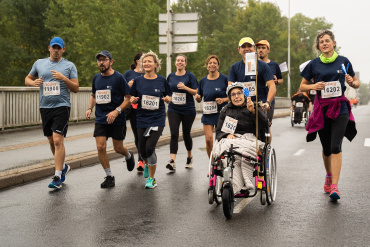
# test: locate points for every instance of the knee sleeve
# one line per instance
(152, 160)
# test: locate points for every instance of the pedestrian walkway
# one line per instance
(25, 153)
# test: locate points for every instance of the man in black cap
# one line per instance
(110, 94)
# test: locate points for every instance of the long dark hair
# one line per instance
(136, 57)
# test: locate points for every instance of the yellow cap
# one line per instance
(246, 40)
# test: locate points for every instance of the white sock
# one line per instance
(108, 172)
(64, 166)
(128, 156)
(58, 173)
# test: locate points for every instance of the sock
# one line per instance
(64, 166)
(334, 185)
(128, 156)
(328, 174)
(58, 173)
(108, 172)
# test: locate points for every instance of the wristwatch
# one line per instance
(119, 110)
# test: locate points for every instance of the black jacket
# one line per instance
(246, 120)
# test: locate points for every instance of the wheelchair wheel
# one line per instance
(210, 196)
(263, 198)
(292, 117)
(217, 191)
(270, 174)
(228, 201)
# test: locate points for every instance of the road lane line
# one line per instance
(241, 205)
(367, 142)
(299, 152)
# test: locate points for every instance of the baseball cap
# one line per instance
(263, 42)
(104, 53)
(57, 41)
(246, 40)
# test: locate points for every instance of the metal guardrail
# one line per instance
(19, 106)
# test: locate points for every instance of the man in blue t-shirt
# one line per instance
(264, 78)
(110, 94)
(56, 77)
(263, 50)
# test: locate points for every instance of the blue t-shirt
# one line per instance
(190, 81)
(131, 74)
(210, 90)
(157, 87)
(41, 68)
(326, 72)
(118, 88)
(275, 69)
(237, 73)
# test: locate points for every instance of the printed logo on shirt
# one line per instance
(218, 89)
(253, 77)
(157, 90)
(339, 71)
(109, 87)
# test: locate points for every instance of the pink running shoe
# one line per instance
(334, 192)
(327, 185)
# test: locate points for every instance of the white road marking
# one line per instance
(299, 152)
(241, 205)
(367, 142)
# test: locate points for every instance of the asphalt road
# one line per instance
(177, 212)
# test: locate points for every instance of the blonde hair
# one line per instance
(155, 58)
(320, 34)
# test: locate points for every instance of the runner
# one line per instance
(213, 89)
(332, 118)
(183, 85)
(263, 50)
(130, 75)
(150, 91)
(56, 77)
(110, 94)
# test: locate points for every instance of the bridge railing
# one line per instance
(19, 106)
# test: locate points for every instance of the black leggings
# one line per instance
(133, 113)
(331, 136)
(174, 119)
(147, 144)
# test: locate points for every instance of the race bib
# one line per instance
(229, 125)
(179, 98)
(312, 92)
(103, 96)
(332, 89)
(51, 88)
(299, 104)
(251, 85)
(150, 102)
(209, 107)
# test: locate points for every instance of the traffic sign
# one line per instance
(179, 48)
(180, 17)
(179, 28)
(179, 39)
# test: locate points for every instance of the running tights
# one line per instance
(174, 120)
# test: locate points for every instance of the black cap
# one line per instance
(105, 54)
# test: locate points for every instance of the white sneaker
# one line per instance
(171, 165)
(189, 162)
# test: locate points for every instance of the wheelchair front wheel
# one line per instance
(228, 201)
(270, 174)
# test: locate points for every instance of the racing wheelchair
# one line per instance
(221, 181)
(299, 114)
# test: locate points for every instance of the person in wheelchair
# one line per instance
(300, 102)
(237, 125)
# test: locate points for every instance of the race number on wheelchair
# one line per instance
(251, 85)
(332, 89)
(299, 104)
(51, 88)
(103, 96)
(229, 125)
(150, 102)
(179, 98)
(209, 107)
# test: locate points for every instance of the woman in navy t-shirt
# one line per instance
(213, 89)
(332, 117)
(130, 75)
(183, 85)
(150, 91)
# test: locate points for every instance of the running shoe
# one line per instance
(189, 162)
(130, 162)
(108, 182)
(327, 185)
(334, 192)
(146, 171)
(171, 165)
(64, 173)
(56, 183)
(150, 183)
(140, 166)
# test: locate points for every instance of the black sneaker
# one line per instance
(171, 165)
(108, 182)
(130, 162)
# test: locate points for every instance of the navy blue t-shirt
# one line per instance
(190, 81)
(210, 90)
(237, 73)
(326, 72)
(275, 69)
(131, 74)
(117, 87)
(151, 87)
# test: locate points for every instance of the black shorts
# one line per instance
(55, 120)
(117, 132)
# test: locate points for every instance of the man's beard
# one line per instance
(104, 69)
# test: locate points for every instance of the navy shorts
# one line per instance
(55, 120)
(117, 132)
